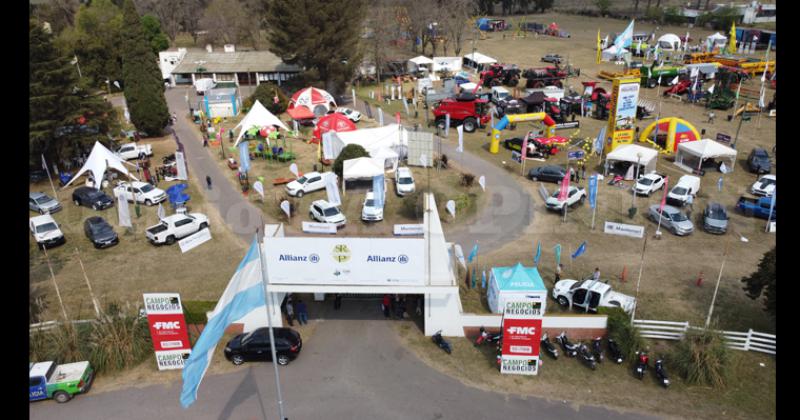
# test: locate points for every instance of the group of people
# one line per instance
(397, 307)
(295, 310)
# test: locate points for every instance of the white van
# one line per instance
(687, 185)
(500, 94)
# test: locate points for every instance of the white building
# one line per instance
(168, 60)
(231, 66)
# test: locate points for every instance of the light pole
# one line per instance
(741, 119)
(632, 210)
(719, 277)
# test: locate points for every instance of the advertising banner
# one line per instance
(522, 333)
(353, 261)
(634, 231)
(409, 230)
(624, 100)
(167, 329)
(313, 227)
(180, 163)
(193, 241)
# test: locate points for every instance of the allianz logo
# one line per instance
(314, 258)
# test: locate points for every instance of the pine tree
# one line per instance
(144, 88)
(763, 282)
(63, 118)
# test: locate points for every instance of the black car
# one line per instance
(90, 197)
(100, 232)
(550, 173)
(255, 346)
(759, 161)
(37, 175)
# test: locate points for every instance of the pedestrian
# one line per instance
(400, 307)
(690, 206)
(302, 312)
(230, 136)
(419, 306)
(205, 141)
(711, 117)
(596, 275)
(583, 171)
(385, 305)
(558, 272)
(289, 312)
(208, 181)
(337, 302)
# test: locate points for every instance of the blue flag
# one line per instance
(558, 254)
(244, 156)
(378, 190)
(538, 254)
(625, 39)
(581, 249)
(473, 253)
(593, 190)
(483, 280)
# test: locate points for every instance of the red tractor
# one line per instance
(544, 76)
(499, 74)
(464, 109)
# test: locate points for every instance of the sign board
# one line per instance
(522, 334)
(190, 242)
(167, 329)
(576, 155)
(406, 230)
(634, 231)
(624, 100)
(723, 138)
(312, 227)
(352, 261)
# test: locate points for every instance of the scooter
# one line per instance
(661, 374)
(571, 350)
(586, 357)
(486, 337)
(441, 342)
(616, 353)
(548, 346)
(597, 349)
(641, 364)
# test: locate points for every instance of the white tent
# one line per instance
(360, 168)
(716, 40)
(418, 63)
(386, 157)
(613, 53)
(634, 153)
(478, 61)
(391, 136)
(469, 86)
(669, 42)
(451, 64)
(258, 116)
(99, 160)
(691, 154)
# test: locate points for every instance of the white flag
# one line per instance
(180, 164)
(354, 97)
(446, 124)
(123, 211)
(44, 163)
(380, 117)
(293, 169)
(161, 212)
(761, 99)
(482, 182)
(295, 128)
(451, 208)
(332, 189)
(460, 130)
(74, 60)
(116, 83)
(695, 71)
(286, 207)
(711, 89)
(659, 80)
(259, 187)
(674, 81)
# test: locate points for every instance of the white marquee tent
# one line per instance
(634, 153)
(478, 61)
(716, 40)
(691, 154)
(99, 160)
(391, 136)
(360, 168)
(386, 157)
(258, 116)
(613, 53)
(669, 42)
(418, 63)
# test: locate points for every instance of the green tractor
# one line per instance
(724, 95)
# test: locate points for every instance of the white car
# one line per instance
(133, 151)
(351, 114)
(371, 213)
(312, 181)
(325, 212)
(140, 192)
(175, 227)
(648, 183)
(575, 195)
(590, 294)
(46, 231)
(765, 186)
(404, 181)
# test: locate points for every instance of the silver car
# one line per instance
(672, 219)
(42, 203)
(715, 218)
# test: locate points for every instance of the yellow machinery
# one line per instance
(550, 126)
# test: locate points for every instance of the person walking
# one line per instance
(689, 206)
(205, 141)
(337, 301)
(208, 181)
(289, 312)
(558, 272)
(302, 312)
(596, 275)
(385, 305)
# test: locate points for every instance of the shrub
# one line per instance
(654, 14)
(621, 330)
(118, 341)
(194, 311)
(603, 5)
(467, 180)
(351, 151)
(464, 201)
(702, 358)
(265, 93)
(672, 16)
(413, 204)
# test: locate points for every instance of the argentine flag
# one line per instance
(625, 39)
(244, 293)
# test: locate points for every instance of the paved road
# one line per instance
(354, 367)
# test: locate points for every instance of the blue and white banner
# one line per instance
(578, 252)
(473, 253)
(244, 156)
(378, 190)
(625, 39)
(332, 189)
(593, 191)
(557, 250)
(460, 130)
(598, 142)
(245, 292)
(380, 116)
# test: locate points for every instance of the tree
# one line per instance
(230, 22)
(763, 282)
(603, 5)
(63, 117)
(485, 6)
(318, 35)
(635, 7)
(144, 87)
(542, 5)
(60, 14)
(176, 15)
(380, 23)
(152, 32)
(456, 21)
(351, 151)
(265, 93)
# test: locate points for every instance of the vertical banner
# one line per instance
(368, 109)
(244, 156)
(522, 333)
(446, 124)
(354, 97)
(123, 212)
(593, 191)
(378, 190)
(397, 117)
(380, 116)
(180, 163)
(332, 189)
(460, 130)
(624, 99)
(167, 329)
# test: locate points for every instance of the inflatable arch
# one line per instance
(672, 131)
(550, 127)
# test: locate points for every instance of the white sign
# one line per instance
(286, 207)
(190, 242)
(451, 207)
(360, 261)
(311, 227)
(482, 182)
(405, 230)
(162, 303)
(634, 231)
(171, 359)
(519, 365)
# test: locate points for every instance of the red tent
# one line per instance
(332, 122)
(313, 99)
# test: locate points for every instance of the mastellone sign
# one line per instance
(350, 261)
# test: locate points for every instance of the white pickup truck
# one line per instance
(176, 226)
(140, 192)
(130, 151)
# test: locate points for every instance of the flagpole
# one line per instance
(716, 288)
(639, 280)
(44, 163)
(268, 308)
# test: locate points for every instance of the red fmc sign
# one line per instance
(521, 337)
(168, 332)
(168, 329)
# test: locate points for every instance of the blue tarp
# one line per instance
(518, 278)
(176, 189)
(483, 24)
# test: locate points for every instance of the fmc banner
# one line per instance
(167, 329)
(522, 332)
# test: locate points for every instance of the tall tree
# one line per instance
(229, 22)
(542, 5)
(319, 35)
(152, 31)
(763, 282)
(144, 88)
(63, 117)
(60, 14)
(380, 24)
(456, 21)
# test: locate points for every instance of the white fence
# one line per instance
(42, 326)
(745, 341)
(548, 321)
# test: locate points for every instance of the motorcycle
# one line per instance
(641, 364)
(586, 357)
(617, 180)
(661, 374)
(441, 342)
(548, 346)
(597, 349)
(571, 350)
(486, 337)
(616, 353)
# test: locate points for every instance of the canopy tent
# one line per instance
(669, 42)
(478, 61)
(386, 157)
(300, 113)
(634, 153)
(469, 86)
(419, 63)
(613, 53)
(391, 136)
(332, 122)
(259, 116)
(716, 40)
(315, 100)
(99, 160)
(690, 155)
(514, 283)
(360, 168)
